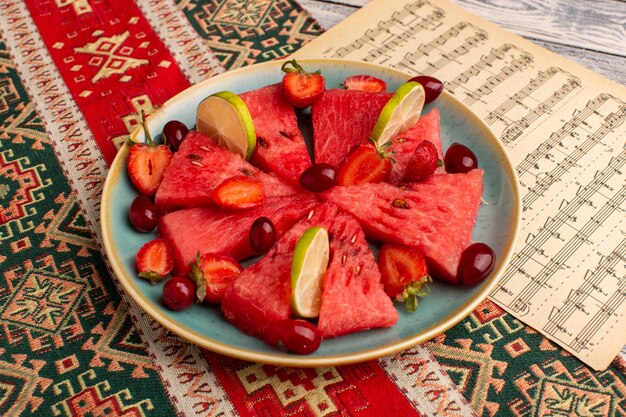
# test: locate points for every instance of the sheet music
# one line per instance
(563, 127)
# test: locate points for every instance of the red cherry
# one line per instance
(262, 235)
(143, 214)
(318, 177)
(432, 86)
(299, 336)
(460, 159)
(178, 293)
(477, 261)
(174, 131)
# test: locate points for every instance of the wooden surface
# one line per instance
(589, 32)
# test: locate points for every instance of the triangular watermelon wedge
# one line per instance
(353, 298)
(212, 230)
(436, 216)
(199, 167)
(261, 294)
(343, 119)
(404, 144)
(280, 146)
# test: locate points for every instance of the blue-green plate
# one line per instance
(497, 225)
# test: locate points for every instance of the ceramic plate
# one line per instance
(497, 225)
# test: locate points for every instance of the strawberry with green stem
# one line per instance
(365, 164)
(404, 274)
(147, 162)
(212, 273)
(301, 88)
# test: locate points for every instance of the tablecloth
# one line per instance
(74, 77)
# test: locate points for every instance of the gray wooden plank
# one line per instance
(327, 14)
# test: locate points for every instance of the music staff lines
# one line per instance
(556, 138)
(541, 78)
(469, 43)
(517, 128)
(546, 179)
(534, 243)
(394, 32)
(579, 298)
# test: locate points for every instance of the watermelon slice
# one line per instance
(280, 146)
(404, 144)
(343, 119)
(261, 295)
(211, 230)
(353, 297)
(436, 216)
(199, 167)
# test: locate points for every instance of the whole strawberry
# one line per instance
(423, 163)
(300, 87)
(146, 163)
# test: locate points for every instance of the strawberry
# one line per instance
(404, 274)
(212, 273)
(239, 192)
(364, 164)
(147, 162)
(300, 87)
(423, 163)
(365, 83)
(155, 260)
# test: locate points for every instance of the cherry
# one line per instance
(262, 235)
(174, 132)
(178, 293)
(143, 214)
(299, 336)
(476, 263)
(432, 87)
(318, 177)
(460, 159)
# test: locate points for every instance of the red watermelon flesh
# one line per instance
(261, 295)
(353, 297)
(211, 230)
(280, 146)
(199, 167)
(438, 221)
(343, 119)
(404, 144)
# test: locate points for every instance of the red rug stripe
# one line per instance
(363, 390)
(112, 61)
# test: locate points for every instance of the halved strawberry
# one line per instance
(300, 87)
(364, 164)
(365, 83)
(212, 273)
(404, 274)
(423, 163)
(147, 162)
(155, 260)
(239, 192)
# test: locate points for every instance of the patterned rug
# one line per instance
(74, 76)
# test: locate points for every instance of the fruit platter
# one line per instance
(310, 213)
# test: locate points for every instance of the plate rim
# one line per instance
(281, 358)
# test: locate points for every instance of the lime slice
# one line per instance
(310, 260)
(401, 112)
(224, 117)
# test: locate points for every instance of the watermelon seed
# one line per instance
(262, 142)
(353, 239)
(400, 140)
(204, 148)
(196, 163)
(194, 157)
(343, 259)
(400, 203)
(310, 215)
(358, 269)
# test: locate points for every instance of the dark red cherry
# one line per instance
(460, 159)
(432, 86)
(179, 293)
(476, 264)
(262, 235)
(174, 131)
(318, 177)
(299, 336)
(143, 214)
